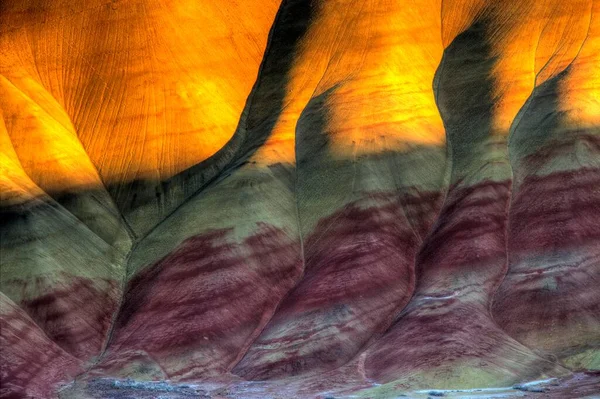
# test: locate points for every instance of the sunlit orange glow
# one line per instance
(566, 27)
(387, 100)
(15, 185)
(581, 88)
(378, 84)
(458, 16)
(150, 88)
(531, 39)
(44, 139)
(107, 92)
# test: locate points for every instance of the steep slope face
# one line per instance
(64, 275)
(322, 195)
(464, 260)
(31, 362)
(231, 252)
(362, 211)
(547, 300)
(139, 82)
(94, 96)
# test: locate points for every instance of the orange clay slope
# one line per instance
(324, 195)
(140, 90)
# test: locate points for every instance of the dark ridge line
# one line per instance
(483, 19)
(436, 86)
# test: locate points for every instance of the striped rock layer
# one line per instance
(320, 195)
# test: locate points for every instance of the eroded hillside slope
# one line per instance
(326, 195)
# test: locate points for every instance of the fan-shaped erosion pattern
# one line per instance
(299, 198)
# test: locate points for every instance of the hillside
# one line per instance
(299, 198)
